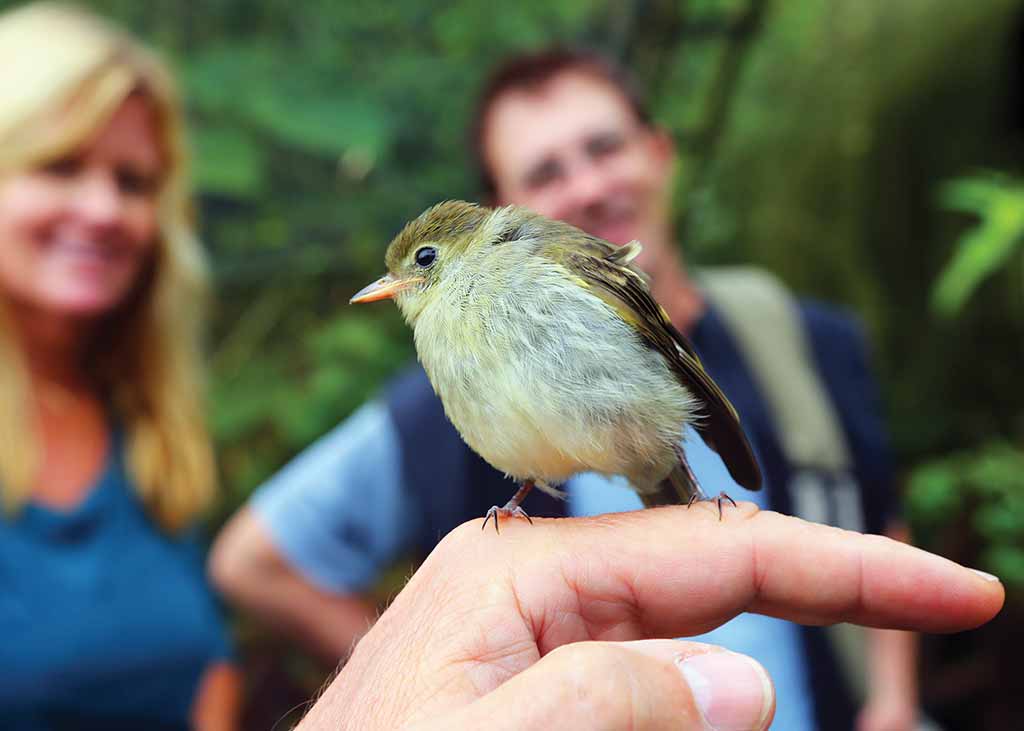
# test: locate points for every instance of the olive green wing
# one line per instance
(605, 270)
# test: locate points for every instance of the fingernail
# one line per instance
(732, 691)
(985, 576)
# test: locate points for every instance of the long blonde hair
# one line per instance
(65, 72)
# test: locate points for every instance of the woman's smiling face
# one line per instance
(76, 233)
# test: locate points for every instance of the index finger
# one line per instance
(484, 607)
(675, 571)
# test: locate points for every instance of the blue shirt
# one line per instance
(107, 622)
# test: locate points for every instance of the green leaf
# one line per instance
(999, 523)
(321, 124)
(970, 195)
(996, 471)
(1006, 562)
(987, 247)
(934, 493)
(220, 78)
(259, 84)
(228, 162)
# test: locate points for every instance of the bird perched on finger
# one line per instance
(550, 355)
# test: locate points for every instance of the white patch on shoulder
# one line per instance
(627, 253)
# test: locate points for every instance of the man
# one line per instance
(562, 133)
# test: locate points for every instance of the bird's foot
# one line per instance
(509, 512)
(721, 496)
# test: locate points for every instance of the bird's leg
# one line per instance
(698, 494)
(511, 508)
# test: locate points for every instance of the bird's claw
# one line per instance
(495, 511)
(721, 496)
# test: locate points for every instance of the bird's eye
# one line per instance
(425, 256)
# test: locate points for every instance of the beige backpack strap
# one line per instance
(763, 318)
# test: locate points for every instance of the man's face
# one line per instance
(573, 149)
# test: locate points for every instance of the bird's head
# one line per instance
(428, 253)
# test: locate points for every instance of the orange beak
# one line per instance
(384, 288)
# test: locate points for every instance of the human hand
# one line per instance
(538, 627)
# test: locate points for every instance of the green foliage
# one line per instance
(229, 163)
(986, 484)
(988, 481)
(240, 83)
(812, 136)
(998, 202)
(266, 398)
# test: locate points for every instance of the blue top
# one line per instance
(343, 510)
(107, 621)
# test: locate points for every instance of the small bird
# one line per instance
(550, 355)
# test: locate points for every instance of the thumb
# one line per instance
(642, 685)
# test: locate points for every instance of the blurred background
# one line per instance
(869, 152)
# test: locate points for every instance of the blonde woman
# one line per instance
(105, 464)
